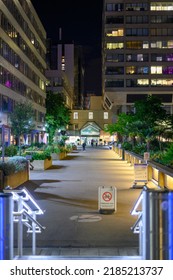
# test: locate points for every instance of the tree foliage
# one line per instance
(58, 115)
(150, 121)
(22, 119)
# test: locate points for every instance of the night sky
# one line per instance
(80, 22)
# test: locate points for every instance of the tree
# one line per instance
(58, 115)
(22, 120)
(150, 121)
(150, 110)
(121, 126)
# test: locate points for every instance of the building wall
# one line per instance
(95, 116)
(137, 52)
(22, 57)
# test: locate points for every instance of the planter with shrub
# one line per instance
(14, 172)
(41, 161)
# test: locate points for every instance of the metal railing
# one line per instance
(25, 211)
(137, 227)
(154, 225)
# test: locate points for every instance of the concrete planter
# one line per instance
(54, 156)
(41, 164)
(58, 156)
(16, 179)
(62, 155)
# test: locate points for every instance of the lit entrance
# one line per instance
(90, 131)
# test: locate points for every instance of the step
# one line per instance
(80, 253)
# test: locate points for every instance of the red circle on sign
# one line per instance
(107, 196)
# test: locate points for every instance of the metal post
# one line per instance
(20, 227)
(140, 238)
(6, 226)
(34, 234)
(170, 225)
(157, 225)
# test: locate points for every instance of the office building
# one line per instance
(22, 62)
(137, 53)
(65, 73)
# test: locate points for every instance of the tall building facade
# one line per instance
(65, 73)
(22, 62)
(137, 53)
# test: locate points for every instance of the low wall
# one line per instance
(159, 174)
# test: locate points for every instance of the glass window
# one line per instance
(106, 115)
(156, 69)
(90, 115)
(75, 115)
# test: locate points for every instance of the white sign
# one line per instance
(141, 172)
(146, 156)
(107, 198)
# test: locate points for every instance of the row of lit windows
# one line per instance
(24, 25)
(119, 70)
(140, 45)
(155, 6)
(140, 32)
(10, 81)
(90, 115)
(15, 36)
(19, 64)
(139, 83)
(55, 82)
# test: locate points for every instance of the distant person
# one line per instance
(83, 146)
(92, 142)
(96, 143)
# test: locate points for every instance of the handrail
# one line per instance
(23, 211)
(134, 210)
(136, 228)
(27, 207)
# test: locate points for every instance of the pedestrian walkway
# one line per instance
(68, 192)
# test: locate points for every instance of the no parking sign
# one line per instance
(107, 198)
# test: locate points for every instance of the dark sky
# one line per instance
(80, 22)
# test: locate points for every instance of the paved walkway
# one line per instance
(68, 192)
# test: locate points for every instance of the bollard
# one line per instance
(6, 226)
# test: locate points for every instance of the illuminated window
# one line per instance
(63, 63)
(162, 44)
(106, 115)
(115, 46)
(90, 115)
(135, 45)
(161, 82)
(143, 82)
(75, 115)
(137, 70)
(156, 69)
(115, 33)
(41, 84)
(160, 6)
